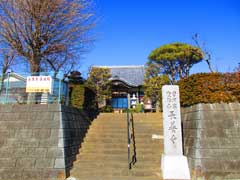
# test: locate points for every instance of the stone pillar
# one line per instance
(174, 164)
(137, 96)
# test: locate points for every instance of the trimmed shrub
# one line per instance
(90, 104)
(83, 98)
(210, 88)
(77, 95)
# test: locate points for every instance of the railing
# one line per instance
(131, 140)
(13, 89)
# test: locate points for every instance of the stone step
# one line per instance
(106, 171)
(124, 125)
(104, 152)
(124, 139)
(86, 177)
(117, 172)
(139, 129)
(121, 150)
(115, 157)
(124, 121)
(113, 167)
(116, 165)
(119, 177)
(105, 140)
(115, 131)
(108, 135)
(122, 134)
(154, 135)
(134, 114)
(107, 122)
(139, 154)
(90, 145)
(124, 118)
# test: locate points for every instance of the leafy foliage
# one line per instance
(107, 109)
(210, 88)
(75, 77)
(176, 59)
(138, 109)
(90, 102)
(152, 69)
(99, 82)
(77, 95)
(83, 98)
(153, 88)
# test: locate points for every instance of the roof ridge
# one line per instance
(123, 66)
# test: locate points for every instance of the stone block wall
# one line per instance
(212, 140)
(39, 142)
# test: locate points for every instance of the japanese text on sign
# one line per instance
(39, 84)
(171, 113)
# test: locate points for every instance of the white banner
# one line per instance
(39, 84)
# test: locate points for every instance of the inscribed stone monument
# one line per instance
(174, 164)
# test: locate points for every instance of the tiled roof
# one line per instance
(132, 75)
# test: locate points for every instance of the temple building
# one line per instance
(126, 85)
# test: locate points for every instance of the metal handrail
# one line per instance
(131, 139)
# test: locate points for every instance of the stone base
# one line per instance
(175, 168)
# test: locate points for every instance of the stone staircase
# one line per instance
(104, 154)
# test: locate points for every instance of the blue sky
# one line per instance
(129, 30)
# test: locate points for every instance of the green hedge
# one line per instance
(90, 104)
(77, 95)
(210, 88)
(83, 98)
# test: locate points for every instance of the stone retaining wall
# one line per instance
(39, 142)
(212, 140)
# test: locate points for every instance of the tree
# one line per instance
(152, 69)
(6, 60)
(46, 33)
(99, 81)
(237, 69)
(75, 77)
(207, 54)
(153, 88)
(5, 63)
(176, 59)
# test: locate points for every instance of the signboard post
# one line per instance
(174, 165)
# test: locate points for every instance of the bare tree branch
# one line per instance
(5, 63)
(42, 31)
(207, 54)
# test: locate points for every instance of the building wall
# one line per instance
(39, 141)
(212, 140)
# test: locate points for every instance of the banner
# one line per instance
(39, 84)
